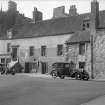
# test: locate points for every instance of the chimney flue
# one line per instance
(95, 13)
(37, 15)
(73, 10)
(59, 12)
(35, 9)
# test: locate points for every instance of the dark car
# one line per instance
(5, 70)
(62, 69)
(2, 68)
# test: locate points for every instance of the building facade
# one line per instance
(79, 50)
(66, 37)
(37, 54)
(86, 48)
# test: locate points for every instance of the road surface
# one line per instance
(25, 90)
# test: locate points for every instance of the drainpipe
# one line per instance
(92, 56)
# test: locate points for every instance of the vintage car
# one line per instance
(2, 68)
(5, 70)
(11, 68)
(62, 69)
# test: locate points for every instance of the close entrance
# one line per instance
(44, 67)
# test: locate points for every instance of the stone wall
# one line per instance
(99, 52)
(88, 58)
(73, 55)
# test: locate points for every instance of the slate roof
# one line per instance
(49, 27)
(80, 36)
(59, 26)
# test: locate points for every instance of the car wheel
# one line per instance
(54, 74)
(78, 76)
(62, 77)
(86, 77)
(13, 72)
(2, 72)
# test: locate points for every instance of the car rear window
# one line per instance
(66, 65)
(58, 65)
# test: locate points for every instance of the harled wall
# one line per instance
(50, 42)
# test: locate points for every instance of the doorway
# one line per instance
(44, 67)
(27, 67)
(14, 53)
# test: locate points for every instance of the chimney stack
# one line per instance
(37, 15)
(59, 12)
(94, 23)
(94, 14)
(12, 6)
(73, 10)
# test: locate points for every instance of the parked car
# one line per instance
(12, 67)
(5, 70)
(2, 68)
(62, 69)
(10, 71)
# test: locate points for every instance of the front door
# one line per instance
(14, 53)
(44, 67)
(27, 68)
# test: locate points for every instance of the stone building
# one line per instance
(86, 48)
(40, 43)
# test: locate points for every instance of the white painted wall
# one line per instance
(24, 44)
(50, 41)
(3, 46)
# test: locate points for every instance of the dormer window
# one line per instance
(85, 24)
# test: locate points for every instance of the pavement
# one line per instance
(97, 101)
(36, 75)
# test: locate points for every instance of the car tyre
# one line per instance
(2, 72)
(13, 72)
(62, 77)
(54, 74)
(78, 76)
(86, 77)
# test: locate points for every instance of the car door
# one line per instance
(67, 67)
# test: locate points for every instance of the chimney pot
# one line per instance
(73, 10)
(37, 15)
(35, 9)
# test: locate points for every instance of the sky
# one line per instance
(46, 6)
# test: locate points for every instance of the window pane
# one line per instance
(14, 52)
(59, 50)
(8, 47)
(82, 48)
(66, 65)
(2, 60)
(43, 50)
(32, 51)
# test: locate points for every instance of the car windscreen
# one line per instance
(58, 65)
(67, 65)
